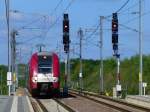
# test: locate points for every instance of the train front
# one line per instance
(45, 74)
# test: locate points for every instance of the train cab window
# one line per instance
(44, 64)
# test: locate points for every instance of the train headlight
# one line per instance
(34, 79)
(55, 79)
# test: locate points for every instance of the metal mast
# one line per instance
(9, 63)
(140, 48)
(80, 33)
(101, 84)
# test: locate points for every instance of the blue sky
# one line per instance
(41, 15)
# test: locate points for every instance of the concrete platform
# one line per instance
(6, 103)
(15, 104)
(139, 100)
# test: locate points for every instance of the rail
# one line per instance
(87, 95)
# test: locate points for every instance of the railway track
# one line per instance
(49, 105)
(84, 102)
(65, 106)
(38, 106)
(110, 102)
(44, 104)
(36, 103)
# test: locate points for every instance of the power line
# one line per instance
(37, 20)
(58, 18)
(95, 30)
(56, 7)
(122, 6)
(70, 3)
(110, 16)
(132, 6)
(32, 22)
(129, 28)
(144, 14)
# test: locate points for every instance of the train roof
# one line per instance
(46, 53)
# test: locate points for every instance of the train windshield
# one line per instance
(45, 64)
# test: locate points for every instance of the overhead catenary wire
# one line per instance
(57, 19)
(122, 25)
(34, 21)
(70, 3)
(37, 20)
(95, 30)
(122, 6)
(130, 7)
(135, 18)
(31, 22)
(106, 17)
(59, 3)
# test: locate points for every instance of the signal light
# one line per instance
(66, 24)
(115, 23)
(115, 33)
(66, 39)
(44, 57)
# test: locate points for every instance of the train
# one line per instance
(44, 74)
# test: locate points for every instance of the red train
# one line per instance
(44, 74)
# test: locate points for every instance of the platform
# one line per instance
(18, 103)
(139, 100)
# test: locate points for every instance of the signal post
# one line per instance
(116, 51)
(66, 42)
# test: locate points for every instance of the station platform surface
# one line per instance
(143, 100)
(19, 102)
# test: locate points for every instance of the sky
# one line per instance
(40, 22)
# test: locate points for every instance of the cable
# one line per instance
(58, 18)
(129, 28)
(130, 7)
(93, 32)
(32, 22)
(56, 7)
(122, 6)
(144, 14)
(70, 3)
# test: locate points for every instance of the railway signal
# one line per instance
(66, 24)
(66, 42)
(115, 33)
(66, 39)
(115, 48)
(115, 23)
